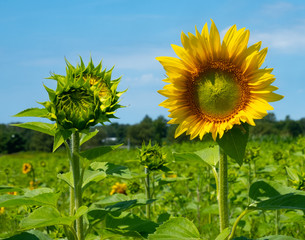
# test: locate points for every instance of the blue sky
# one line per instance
(36, 36)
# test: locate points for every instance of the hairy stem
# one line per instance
(147, 190)
(223, 192)
(75, 164)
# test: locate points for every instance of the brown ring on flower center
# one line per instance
(227, 71)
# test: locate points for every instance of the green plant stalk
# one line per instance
(71, 190)
(223, 191)
(236, 223)
(198, 198)
(147, 191)
(277, 221)
(153, 191)
(75, 164)
(249, 180)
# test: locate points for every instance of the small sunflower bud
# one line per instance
(151, 157)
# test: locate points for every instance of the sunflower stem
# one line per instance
(147, 190)
(223, 192)
(75, 164)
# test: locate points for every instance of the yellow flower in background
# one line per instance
(2, 210)
(119, 188)
(26, 168)
(12, 193)
(214, 85)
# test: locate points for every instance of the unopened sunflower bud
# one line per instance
(77, 108)
(84, 97)
(151, 157)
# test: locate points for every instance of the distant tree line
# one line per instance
(14, 139)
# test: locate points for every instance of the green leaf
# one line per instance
(60, 137)
(46, 128)
(97, 213)
(234, 142)
(261, 190)
(277, 237)
(210, 155)
(211, 209)
(224, 234)
(114, 170)
(39, 197)
(33, 112)
(87, 136)
(115, 198)
(97, 152)
(45, 216)
(67, 177)
(129, 223)
(273, 195)
(163, 217)
(30, 235)
(92, 177)
(176, 229)
(189, 157)
(293, 174)
(286, 201)
(125, 233)
(81, 211)
(6, 189)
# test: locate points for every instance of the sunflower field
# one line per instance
(185, 190)
(224, 186)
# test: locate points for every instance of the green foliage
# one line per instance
(176, 228)
(189, 191)
(30, 235)
(44, 216)
(39, 197)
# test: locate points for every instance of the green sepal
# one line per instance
(51, 92)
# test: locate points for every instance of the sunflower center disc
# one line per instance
(217, 93)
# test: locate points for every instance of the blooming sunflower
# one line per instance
(214, 86)
(119, 188)
(26, 168)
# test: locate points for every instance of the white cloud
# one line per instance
(288, 40)
(278, 8)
